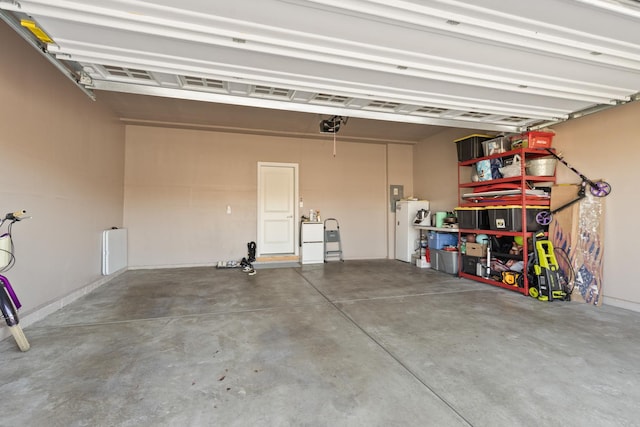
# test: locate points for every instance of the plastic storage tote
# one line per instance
(501, 144)
(509, 218)
(532, 139)
(472, 218)
(447, 261)
(470, 147)
(440, 240)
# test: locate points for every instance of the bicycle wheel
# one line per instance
(543, 218)
(20, 338)
(601, 189)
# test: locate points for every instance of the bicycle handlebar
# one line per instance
(15, 216)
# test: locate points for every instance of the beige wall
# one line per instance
(606, 146)
(435, 169)
(400, 172)
(62, 159)
(178, 184)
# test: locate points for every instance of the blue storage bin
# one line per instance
(440, 240)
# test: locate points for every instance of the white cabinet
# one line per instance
(312, 237)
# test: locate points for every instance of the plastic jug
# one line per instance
(440, 216)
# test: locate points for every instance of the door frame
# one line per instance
(296, 197)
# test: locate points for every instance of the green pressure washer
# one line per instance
(546, 280)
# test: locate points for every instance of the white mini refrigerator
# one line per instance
(312, 238)
(407, 235)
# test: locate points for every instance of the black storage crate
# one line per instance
(469, 264)
(470, 147)
(509, 218)
(472, 218)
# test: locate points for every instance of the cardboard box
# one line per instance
(476, 249)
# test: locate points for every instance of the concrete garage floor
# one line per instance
(360, 343)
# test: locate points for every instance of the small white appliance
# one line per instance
(423, 217)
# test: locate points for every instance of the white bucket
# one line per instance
(422, 263)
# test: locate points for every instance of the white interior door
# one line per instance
(277, 209)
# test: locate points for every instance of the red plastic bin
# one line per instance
(532, 139)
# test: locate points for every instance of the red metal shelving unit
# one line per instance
(521, 183)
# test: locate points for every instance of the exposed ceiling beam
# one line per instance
(305, 108)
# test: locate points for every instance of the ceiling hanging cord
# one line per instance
(332, 125)
(334, 144)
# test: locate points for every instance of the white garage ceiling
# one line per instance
(486, 64)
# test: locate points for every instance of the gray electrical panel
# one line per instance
(396, 192)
